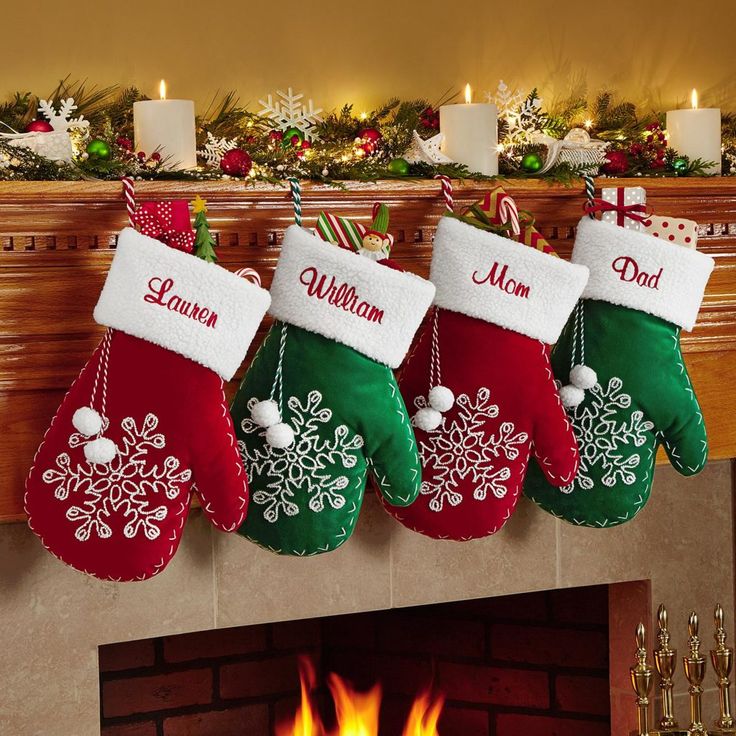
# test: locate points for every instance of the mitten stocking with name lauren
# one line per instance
(319, 405)
(479, 381)
(146, 422)
(626, 384)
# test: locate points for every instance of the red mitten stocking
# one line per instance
(146, 421)
(481, 384)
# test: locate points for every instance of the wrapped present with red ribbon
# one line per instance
(675, 230)
(497, 211)
(166, 221)
(622, 206)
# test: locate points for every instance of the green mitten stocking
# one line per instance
(629, 390)
(319, 405)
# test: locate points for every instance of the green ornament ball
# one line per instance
(290, 134)
(98, 149)
(531, 163)
(398, 166)
(680, 165)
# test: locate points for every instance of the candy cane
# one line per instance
(250, 274)
(508, 212)
(296, 198)
(589, 194)
(129, 195)
(446, 184)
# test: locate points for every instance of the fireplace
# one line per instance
(535, 663)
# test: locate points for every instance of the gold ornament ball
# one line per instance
(398, 166)
(531, 163)
(98, 149)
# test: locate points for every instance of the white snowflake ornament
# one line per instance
(288, 111)
(215, 148)
(62, 121)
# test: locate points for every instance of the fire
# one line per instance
(356, 712)
(162, 89)
(424, 714)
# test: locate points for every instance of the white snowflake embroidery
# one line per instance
(290, 112)
(123, 490)
(215, 148)
(466, 448)
(607, 435)
(303, 469)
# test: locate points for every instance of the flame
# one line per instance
(468, 94)
(694, 99)
(162, 89)
(356, 712)
(424, 714)
(306, 721)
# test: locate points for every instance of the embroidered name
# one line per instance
(341, 296)
(500, 279)
(628, 270)
(159, 294)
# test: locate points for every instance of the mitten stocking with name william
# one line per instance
(146, 421)
(479, 381)
(319, 406)
(626, 385)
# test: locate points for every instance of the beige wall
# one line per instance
(336, 50)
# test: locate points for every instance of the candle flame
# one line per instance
(468, 94)
(162, 89)
(694, 99)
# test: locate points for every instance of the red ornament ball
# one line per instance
(236, 162)
(306, 144)
(39, 126)
(617, 162)
(371, 134)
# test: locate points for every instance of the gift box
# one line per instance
(498, 208)
(675, 230)
(628, 206)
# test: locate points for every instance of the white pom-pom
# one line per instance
(280, 435)
(265, 413)
(441, 398)
(427, 419)
(101, 450)
(583, 377)
(87, 421)
(571, 396)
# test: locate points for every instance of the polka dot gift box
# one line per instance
(672, 229)
(632, 198)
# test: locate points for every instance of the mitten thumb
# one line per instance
(219, 476)
(685, 441)
(555, 445)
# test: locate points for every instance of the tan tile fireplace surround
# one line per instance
(55, 247)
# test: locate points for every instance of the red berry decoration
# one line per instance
(236, 162)
(617, 162)
(125, 143)
(430, 118)
(306, 144)
(276, 135)
(39, 126)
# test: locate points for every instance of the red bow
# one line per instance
(166, 221)
(623, 210)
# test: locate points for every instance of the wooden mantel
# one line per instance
(57, 240)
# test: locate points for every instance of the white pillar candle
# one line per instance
(696, 133)
(167, 126)
(471, 134)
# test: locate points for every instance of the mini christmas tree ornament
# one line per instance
(319, 406)
(628, 390)
(204, 242)
(480, 382)
(146, 420)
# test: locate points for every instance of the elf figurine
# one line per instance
(376, 243)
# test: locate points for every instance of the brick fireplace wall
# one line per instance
(535, 664)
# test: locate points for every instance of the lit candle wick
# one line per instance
(468, 94)
(694, 99)
(162, 89)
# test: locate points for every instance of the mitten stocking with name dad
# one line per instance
(319, 405)
(146, 421)
(480, 384)
(627, 387)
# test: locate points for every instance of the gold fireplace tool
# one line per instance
(694, 663)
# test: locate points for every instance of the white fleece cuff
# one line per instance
(348, 298)
(498, 280)
(180, 302)
(636, 270)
